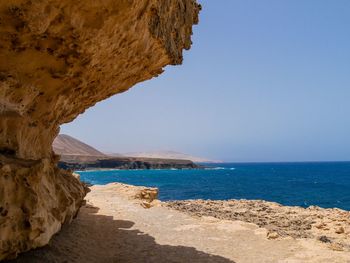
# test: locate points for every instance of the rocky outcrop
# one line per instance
(330, 226)
(124, 163)
(147, 197)
(36, 198)
(76, 155)
(59, 57)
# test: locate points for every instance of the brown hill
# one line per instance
(67, 145)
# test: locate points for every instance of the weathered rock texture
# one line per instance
(147, 197)
(36, 198)
(330, 226)
(57, 58)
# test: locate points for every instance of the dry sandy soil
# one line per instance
(116, 226)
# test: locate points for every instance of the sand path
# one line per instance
(114, 227)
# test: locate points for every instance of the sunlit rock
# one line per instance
(58, 58)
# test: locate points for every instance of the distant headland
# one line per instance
(77, 155)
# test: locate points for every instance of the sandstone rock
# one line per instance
(58, 58)
(339, 230)
(146, 204)
(76, 175)
(336, 247)
(320, 225)
(36, 198)
(272, 235)
(156, 203)
(148, 194)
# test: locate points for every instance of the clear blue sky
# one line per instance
(264, 81)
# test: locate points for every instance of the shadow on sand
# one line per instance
(98, 238)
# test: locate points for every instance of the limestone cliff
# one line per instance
(57, 58)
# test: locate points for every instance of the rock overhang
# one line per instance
(58, 58)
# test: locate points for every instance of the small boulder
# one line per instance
(339, 230)
(324, 239)
(336, 247)
(148, 194)
(146, 204)
(320, 225)
(272, 235)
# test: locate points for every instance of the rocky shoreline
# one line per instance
(126, 223)
(123, 163)
(330, 226)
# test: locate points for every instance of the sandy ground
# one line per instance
(115, 227)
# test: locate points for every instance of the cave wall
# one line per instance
(58, 58)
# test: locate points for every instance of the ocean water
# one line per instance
(302, 184)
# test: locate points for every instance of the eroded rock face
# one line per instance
(36, 198)
(57, 58)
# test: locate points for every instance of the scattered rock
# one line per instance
(147, 197)
(286, 221)
(272, 235)
(336, 247)
(147, 194)
(324, 239)
(146, 204)
(340, 230)
(320, 225)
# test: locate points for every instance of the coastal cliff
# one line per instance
(77, 155)
(58, 58)
(125, 163)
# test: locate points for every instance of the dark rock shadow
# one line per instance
(98, 238)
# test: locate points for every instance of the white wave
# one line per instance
(216, 168)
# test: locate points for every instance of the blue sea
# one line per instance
(298, 184)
